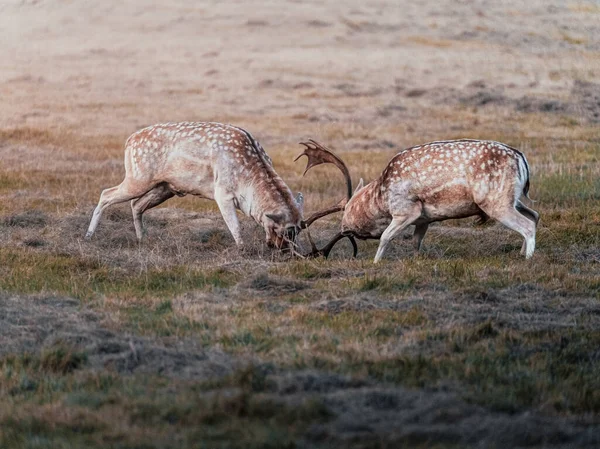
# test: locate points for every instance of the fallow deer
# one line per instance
(439, 181)
(209, 160)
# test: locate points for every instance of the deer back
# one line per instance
(196, 157)
(456, 172)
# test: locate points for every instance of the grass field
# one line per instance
(188, 341)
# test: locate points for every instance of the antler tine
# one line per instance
(327, 248)
(322, 213)
(318, 154)
(311, 153)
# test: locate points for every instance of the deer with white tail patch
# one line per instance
(439, 181)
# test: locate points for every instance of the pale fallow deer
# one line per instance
(435, 182)
(210, 160)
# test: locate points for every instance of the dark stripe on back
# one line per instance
(267, 167)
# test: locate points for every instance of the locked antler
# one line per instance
(315, 252)
(318, 154)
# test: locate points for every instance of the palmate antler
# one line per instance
(318, 154)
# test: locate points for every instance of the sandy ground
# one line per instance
(109, 68)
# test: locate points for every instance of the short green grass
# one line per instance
(34, 272)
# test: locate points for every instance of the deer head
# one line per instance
(283, 225)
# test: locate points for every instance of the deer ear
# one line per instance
(300, 201)
(360, 185)
(277, 218)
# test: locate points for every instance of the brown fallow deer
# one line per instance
(438, 181)
(210, 160)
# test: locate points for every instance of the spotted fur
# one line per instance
(210, 160)
(442, 180)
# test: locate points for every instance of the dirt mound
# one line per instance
(355, 303)
(588, 100)
(360, 412)
(407, 417)
(32, 325)
(583, 101)
(267, 283)
(28, 219)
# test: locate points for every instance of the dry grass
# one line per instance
(188, 341)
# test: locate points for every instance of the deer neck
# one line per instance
(373, 199)
(261, 195)
(365, 213)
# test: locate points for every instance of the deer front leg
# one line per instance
(399, 223)
(226, 204)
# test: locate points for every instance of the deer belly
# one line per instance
(191, 177)
(453, 202)
(439, 212)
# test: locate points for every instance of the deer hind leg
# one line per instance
(153, 198)
(118, 194)
(227, 207)
(528, 212)
(511, 218)
(420, 231)
(398, 224)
